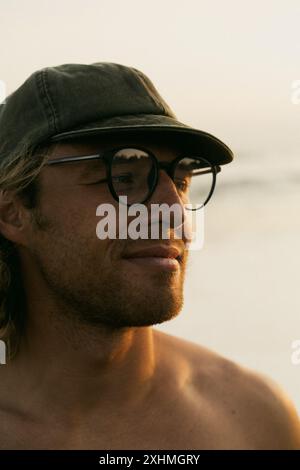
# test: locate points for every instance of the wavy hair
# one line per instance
(19, 175)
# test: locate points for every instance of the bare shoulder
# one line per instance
(254, 402)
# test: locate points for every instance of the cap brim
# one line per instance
(193, 140)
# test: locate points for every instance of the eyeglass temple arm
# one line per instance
(216, 167)
(73, 159)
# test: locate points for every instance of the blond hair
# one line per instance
(19, 175)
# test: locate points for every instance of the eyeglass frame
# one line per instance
(169, 167)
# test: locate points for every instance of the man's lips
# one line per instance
(158, 251)
(164, 257)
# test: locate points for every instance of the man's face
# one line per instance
(91, 277)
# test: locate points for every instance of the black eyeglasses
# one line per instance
(134, 172)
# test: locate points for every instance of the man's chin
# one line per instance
(134, 317)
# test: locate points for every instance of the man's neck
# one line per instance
(84, 368)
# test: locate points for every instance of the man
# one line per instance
(86, 368)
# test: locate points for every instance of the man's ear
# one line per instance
(13, 217)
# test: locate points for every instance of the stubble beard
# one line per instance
(90, 295)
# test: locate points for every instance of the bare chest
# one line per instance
(181, 425)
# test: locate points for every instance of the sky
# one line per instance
(227, 68)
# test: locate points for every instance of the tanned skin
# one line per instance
(92, 372)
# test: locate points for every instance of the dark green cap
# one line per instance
(77, 100)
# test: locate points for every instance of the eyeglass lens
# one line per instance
(132, 172)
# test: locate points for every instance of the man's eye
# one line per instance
(125, 178)
(182, 185)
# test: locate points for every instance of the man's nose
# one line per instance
(166, 193)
